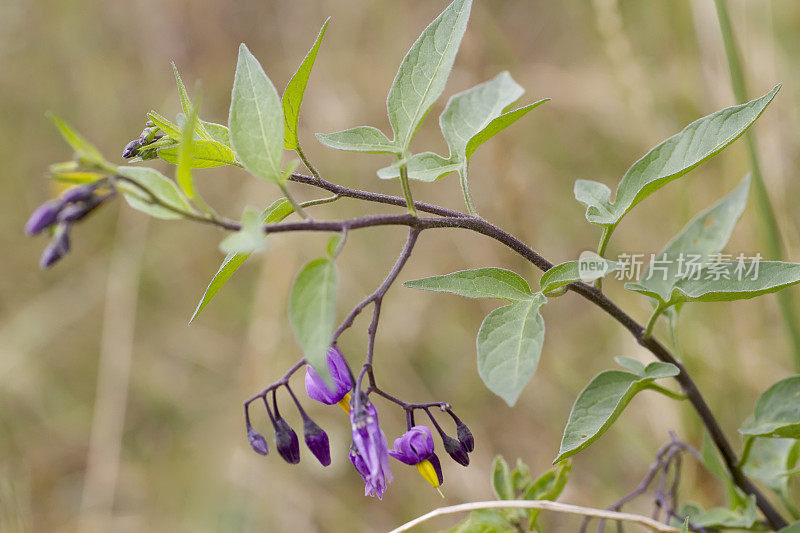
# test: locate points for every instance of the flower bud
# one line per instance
(455, 450)
(286, 442)
(465, 437)
(317, 441)
(148, 135)
(257, 441)
(150, 124)
(44, 217)
(75, 212)
(58, 248)
(131, 149)
(78, 194)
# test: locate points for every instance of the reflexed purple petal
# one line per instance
(414, 446)
(317, 389)
(370, 443)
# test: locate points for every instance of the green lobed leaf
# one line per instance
(424, 70)
(84, 150)
(509, 346)
(602, 401)
(479, 283)
(777, 411)
(501, 479)
(186, 104)
(427, 167)
(499, 124)
(256, 120)
(720, 282)
(634, 365)
(162, 188)
(312, 311)
(204, 154)
(695, 144)
(293, 95)
(703, 237)
(587, 269)
(360, 139)
(279, 210)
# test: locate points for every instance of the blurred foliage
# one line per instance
(622, 74)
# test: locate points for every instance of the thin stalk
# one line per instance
(306, 162)
(412, 210)
(772, 233)
(297, 207)
(601, 250)
(648, 330)
(467, 194)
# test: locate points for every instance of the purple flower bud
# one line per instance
(78, 194)
(131, 149)
(455, 450)
(317, 441)
(370, 443)
(286, 442)
(44, 217)
(148, 135)
(317, 389)
(257, 441)
(58, 248)
(414, 446)
(465, 437)
(77, 211)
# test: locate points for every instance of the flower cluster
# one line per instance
(369, 451)
(60, 214)
(147, 137)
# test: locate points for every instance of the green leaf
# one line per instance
(256, 120)
(728, 281)
(596, 197)
(698, 142)
(186, 104)
(312, 311)
(634, 365)
(249, 239)
(548, 487)
(334, 244)
(479, 283)
(792, 528)
(499, 124)
(183, 174)
(218, 132)
(602, 401)
(171, 129)
(84, 150)
(588, 268)
(427, 167)
(276, 212)
(360, 139)
(501, 479)
(770, 460)
(159, 185)
(204, 154)
(509, 345)
(685, 526)
(702, 238)
(721, 517)
(485, 521)
(423, 73)
(293, 95)
(777, 411)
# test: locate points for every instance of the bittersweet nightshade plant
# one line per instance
(263, 124)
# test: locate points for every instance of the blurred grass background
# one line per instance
(117, 416)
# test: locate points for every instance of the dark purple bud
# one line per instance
(286, 442)
(257, 441)
(455, 450)
(44, 217)
(58, 248)
(465, 437)
(317, 441)
(131, 149)
(75, 212)
(78, 194)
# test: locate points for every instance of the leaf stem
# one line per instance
(467, 194)
(306, 162)
(601, 250)
(407, 190)
(297, 207)
(648, 330)
(772, 233)
(666, 392)
(748, 446)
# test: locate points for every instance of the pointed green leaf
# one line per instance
(250, 238)
(186, 104)
(629, 363)
(360, 139)
(276, 212)
(218, 132)
(721, 517)
(702, 238)
(727, 281)
(293, 95)
(792, 528)
(509, 345)
(423, 73)
(479, 283)
(84, 150)
(156, 183)
(312, 311)
(770, 460)
(256, 119)
(548, 487)
(600, 404)
(485, 521)
(204, 154)
(165, 125)
(499, 124)
(777, 411)
(589, 268)
(183, 174)
(427, 167)
(698, 142)
(501, 479)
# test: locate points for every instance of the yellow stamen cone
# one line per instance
(344, 403)
(426, 470)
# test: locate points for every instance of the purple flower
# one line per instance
(317, 389)
(415, 446)
(372, 452)
(44, 217)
